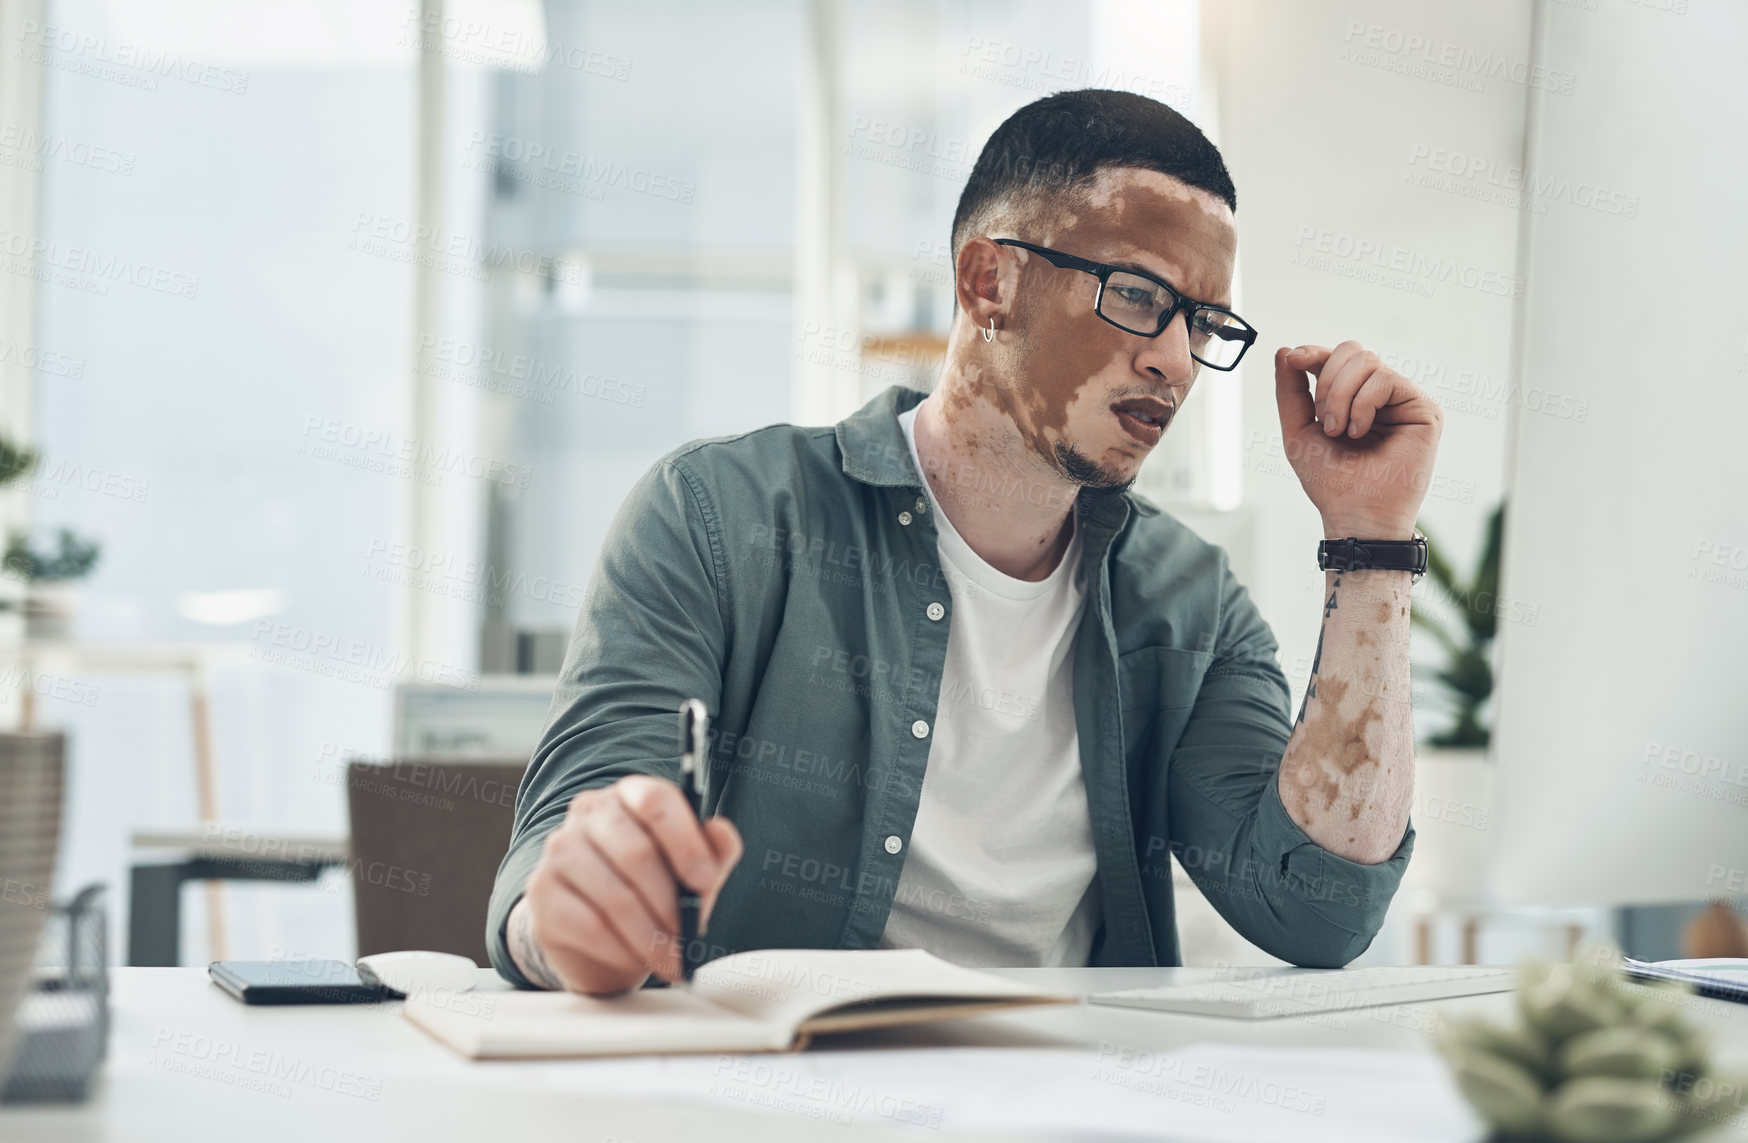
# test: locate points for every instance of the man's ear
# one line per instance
(984, 281)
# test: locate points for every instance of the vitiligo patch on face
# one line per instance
(1069, 366)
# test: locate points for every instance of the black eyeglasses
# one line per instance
(1142, 304)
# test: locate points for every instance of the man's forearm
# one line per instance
(1347, 776)
(524, 951)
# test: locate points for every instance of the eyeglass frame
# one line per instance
(1181, 302)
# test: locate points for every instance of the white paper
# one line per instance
(1206, 1092)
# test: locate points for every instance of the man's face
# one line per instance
(1080, 390)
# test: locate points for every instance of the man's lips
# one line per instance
(1144, 418)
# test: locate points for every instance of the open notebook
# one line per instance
(1722, 978)
(773, 1000)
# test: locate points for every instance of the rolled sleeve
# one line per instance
(1281, 890)
(1345, 895)
(650, 635)
(1230, 831)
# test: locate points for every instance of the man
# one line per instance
(969, 691)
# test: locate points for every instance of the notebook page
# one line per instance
(519, 1024)
(787, 987)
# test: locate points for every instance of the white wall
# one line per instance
(1332, 143)
(1629, 529)
(1325, 149)
(193, 411)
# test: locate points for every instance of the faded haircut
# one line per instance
(1051, 151)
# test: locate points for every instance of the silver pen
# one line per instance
(694, 780)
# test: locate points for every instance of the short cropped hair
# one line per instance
(1053, 148)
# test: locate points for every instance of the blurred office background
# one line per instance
(343, 327)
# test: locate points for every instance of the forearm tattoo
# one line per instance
(1317, 659)
(526, 951)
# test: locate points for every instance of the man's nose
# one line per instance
(1169, 353)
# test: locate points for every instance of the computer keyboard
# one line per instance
(1264, 993)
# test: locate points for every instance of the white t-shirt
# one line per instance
(1001, 868)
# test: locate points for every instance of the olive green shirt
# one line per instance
(788, 577)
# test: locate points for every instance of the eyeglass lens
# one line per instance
(1136, 303)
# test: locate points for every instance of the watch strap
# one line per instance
(1354, 554)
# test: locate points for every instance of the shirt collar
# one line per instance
(872, 442)
(874, 451)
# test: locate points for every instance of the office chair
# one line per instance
(427, 838)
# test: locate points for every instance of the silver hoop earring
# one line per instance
(989, 334)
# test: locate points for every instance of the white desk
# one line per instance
(365, 1073)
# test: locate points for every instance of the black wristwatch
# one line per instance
(1353, 554)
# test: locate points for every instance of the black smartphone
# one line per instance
(294, 982)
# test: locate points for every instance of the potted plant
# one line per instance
(46, 572)
(1454, 782)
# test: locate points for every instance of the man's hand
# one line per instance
(1363, 446)
(600, 912)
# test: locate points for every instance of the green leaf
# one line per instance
(15, 461)
(1438, 568)
(73, 559)
(1467, 678)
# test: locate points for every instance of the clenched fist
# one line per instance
(1362, 440)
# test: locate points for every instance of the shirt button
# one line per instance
(921, 505)
(936, 611)
(904, 517)
(893, 844)
(920, 728)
